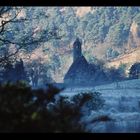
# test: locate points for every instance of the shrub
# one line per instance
(134, 71)
(90, 99)
(103, 118)
(26, 110)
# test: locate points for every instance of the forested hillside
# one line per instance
(106, 33)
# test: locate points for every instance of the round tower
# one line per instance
(77, 51)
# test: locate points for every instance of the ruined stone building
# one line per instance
(81, 72)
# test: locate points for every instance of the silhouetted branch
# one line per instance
(31, 38)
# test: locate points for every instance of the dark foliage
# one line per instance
(20, 73)
(25, 110)
(13, 73)
(115, 75)
(8, 73)
(92, 100)
(102, 118)
(135, 71)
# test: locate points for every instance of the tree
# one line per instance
(114, 74)
(134, 72)
(8, 73)
(10, 33)
(14, 72)
(20, 72)
(111, 53)
(38, 73)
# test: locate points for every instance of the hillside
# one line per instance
(130, 54)
(106, 33)
(129, 59)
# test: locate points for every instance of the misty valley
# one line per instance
(70, 69)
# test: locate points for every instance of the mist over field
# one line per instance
(70, 69)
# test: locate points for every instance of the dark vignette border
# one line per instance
(70, 2)
(76, 3)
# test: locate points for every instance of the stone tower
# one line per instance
(77, 51)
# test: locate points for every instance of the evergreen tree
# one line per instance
(8, 73)
(20, 72)
(135, 71)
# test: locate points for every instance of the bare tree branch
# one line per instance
(4, 22)
(24, 41)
